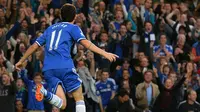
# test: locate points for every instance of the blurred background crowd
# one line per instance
(158, 44)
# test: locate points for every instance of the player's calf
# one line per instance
(61, 94)
(78, 97)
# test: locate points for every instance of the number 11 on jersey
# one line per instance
(57, 40)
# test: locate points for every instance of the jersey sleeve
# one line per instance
(41, 40)
(77, 34)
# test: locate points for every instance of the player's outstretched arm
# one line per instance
(30, 51)
(89, 45)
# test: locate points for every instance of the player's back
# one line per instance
(58, 39)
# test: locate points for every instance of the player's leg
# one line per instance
(72, 85)
(56, 95)
(61, 94)
(57, 100)
(78, 97)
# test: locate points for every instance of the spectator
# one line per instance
(106, 88)
(33, 104)
(7, 92)
(182, 49)
(119, 70)
(190, 104)
(122, 43)
(55, 109)
(119, 19)
(147, 38)
(125, 82)
(184, 9)
(181, 22)
(147, 92)
(195, 32)
(6, 63)
(145, 10)
(163, 49)
(195, 56)
(21, 94)
(165, 73)
(137, 77)
(161, 63)
(192, 79)
(144, 64)
(166, 100)
(122, 103)
(19, 106)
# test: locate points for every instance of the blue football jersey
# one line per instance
(105, 89)
(58, 40)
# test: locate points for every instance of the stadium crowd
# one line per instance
(158, 44)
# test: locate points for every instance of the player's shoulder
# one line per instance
(68, 24)
(111, 80)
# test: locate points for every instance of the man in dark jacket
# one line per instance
(190, 105)
(122, 103)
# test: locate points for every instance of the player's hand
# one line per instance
(18, 66)
(111, 57)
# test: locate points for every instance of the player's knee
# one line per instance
(78, 95)
(64, 105)
(78, 98)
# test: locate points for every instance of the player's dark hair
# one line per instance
(38, 74)
(68, 12)
(123, 92)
